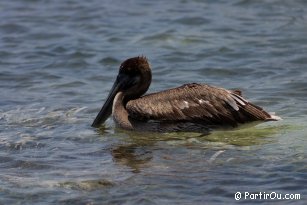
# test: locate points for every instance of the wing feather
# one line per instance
(196, 103)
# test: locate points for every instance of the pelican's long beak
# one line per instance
(106, 109)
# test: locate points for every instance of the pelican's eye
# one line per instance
(132, 81)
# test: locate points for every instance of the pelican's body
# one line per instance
(191, 107)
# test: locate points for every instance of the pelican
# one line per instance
(190, 107)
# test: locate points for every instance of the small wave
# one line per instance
(39, 116)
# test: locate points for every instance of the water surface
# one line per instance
(58, 60)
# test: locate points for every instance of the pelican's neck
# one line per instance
(119, 112)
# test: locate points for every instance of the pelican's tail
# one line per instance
(274, 117)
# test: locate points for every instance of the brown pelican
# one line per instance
(190, 107)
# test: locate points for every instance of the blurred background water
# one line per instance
(58, 60)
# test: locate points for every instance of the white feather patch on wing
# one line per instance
(239, 99)
(183, 104)
(233, 104)
(201, 101)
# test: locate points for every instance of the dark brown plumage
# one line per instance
(184, 108)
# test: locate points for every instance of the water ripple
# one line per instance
(58, 60)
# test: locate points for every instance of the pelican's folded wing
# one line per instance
(196, 103)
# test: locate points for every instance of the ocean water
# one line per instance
(58, 60)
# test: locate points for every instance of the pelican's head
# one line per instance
(133, 80)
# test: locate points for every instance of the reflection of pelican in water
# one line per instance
(132, 155)
(191, 107)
